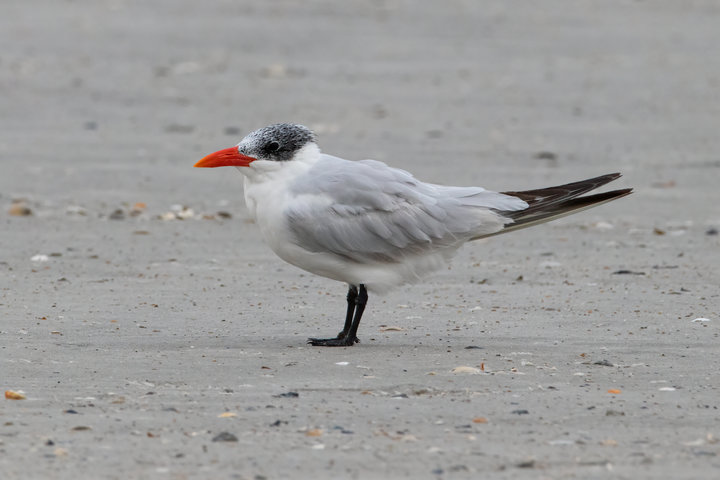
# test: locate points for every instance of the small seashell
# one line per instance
(13, 395)
(466, 369)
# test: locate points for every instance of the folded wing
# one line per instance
(368, 212)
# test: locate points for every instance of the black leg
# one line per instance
(360, 302)
(351, 299)
(348, 337)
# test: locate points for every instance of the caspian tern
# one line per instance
(370, 225)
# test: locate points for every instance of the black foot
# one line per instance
(333, 342)
(356, 300)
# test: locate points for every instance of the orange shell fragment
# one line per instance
(13, 395)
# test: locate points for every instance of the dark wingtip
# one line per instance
(551, 195)
(598, 197)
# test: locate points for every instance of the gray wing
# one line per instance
(369, 212)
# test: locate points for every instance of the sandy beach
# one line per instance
(153, 334)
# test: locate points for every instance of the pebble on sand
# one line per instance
(225, 437)
(19, 209)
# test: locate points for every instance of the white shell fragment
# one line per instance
(466, 369)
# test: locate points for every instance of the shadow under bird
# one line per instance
(372, 226)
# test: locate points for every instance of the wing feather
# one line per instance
(369, 212)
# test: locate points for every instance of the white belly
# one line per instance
(268, 206)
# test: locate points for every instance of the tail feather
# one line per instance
(546, 204)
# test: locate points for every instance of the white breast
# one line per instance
(268, 194)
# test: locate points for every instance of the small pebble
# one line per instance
(287, 395)
(546, 155)
(627, 272)
(19, 209)
(458, 468)
(225, 437)
(343, 430)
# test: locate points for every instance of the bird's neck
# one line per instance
(269, 183)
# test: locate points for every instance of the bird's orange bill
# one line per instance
(228, 157)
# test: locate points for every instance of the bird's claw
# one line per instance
(333, 342)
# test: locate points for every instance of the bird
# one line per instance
(372, 226)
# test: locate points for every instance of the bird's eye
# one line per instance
(272, 147)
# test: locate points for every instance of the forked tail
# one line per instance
(547, 204)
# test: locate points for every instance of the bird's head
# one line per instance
(275, 143)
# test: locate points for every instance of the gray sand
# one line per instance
(137, 331)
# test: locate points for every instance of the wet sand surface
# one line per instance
(154, 335)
